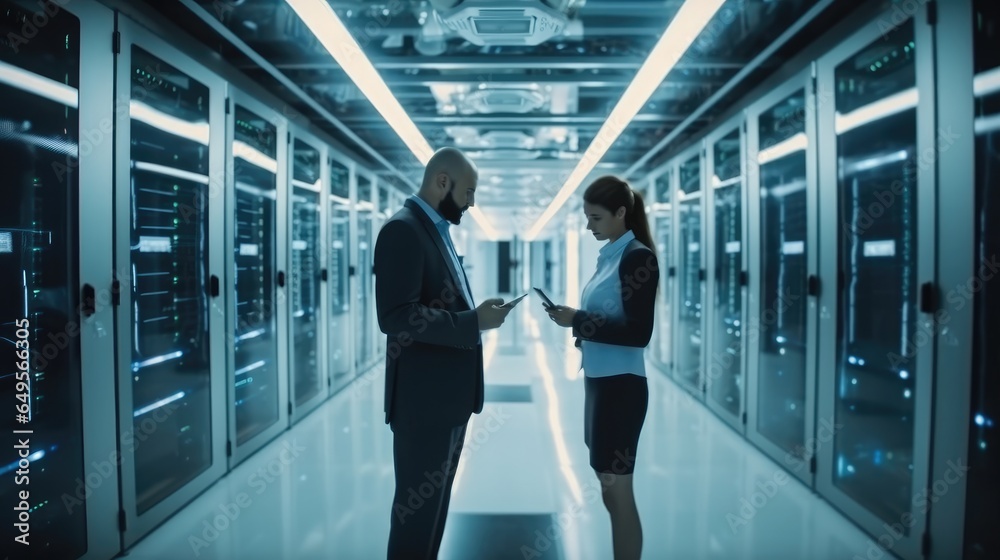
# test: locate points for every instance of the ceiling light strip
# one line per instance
(682, 31)
(324, 23)
(227, 34)
(763, 57)
(320, 18)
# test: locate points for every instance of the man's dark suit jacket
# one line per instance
(434, 361)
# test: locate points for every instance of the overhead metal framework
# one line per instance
(522, 107)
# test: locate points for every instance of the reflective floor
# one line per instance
(524, 488)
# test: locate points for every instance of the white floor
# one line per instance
(322, 489)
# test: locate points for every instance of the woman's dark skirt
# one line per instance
(615, 409)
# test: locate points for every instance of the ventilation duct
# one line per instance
(510, 22)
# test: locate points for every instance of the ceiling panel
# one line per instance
(526, 112)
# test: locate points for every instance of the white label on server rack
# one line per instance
(692, 247)
(884, 248)
(151, 244)
(733, 247)
(793, 247)
(338, 244)
(299, 245)
(249, 250)
(6, 242)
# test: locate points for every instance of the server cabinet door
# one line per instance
(259, 366)
(875, 346)
(663, 230)
(983, 490)
(366, 304)
(341, 350)
(965, 458)
(386, 201)
(780, 407)
(59, 478)
(690, 275)
(724, 367)
(169, 352)
(308, 387)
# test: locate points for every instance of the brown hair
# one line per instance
(611, 193)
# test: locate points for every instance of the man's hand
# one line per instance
(490, 314)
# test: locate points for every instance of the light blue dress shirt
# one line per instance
(444, 229)
(603, 295)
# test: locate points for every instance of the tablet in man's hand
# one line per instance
(513, 302)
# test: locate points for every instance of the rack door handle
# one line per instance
(814, 285)
(88, 303)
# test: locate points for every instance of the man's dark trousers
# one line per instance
(425, 457)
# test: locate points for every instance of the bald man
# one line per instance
(434, 353)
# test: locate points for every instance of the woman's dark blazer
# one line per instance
(640, 277)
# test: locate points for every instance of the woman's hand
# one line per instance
(563, 316)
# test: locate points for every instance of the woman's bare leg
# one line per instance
(626, 530)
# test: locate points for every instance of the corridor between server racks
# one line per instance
(524, 488)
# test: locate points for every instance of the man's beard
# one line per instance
(449, 208)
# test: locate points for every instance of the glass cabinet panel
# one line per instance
(256, 353)
(781, 393)
(305, 271)
(981, 537)
(40, 370)
(663, 221)
(171, 350)
(876, 100)
(363, 332)
(339, 275)
(689, 273)
(664, 235)
(384, 201)
(726, 368)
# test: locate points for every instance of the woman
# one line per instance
(613, 328)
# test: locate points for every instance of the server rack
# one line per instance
(966, 321)
(170, 131)
(340, 345)
(876, 329)
(726, 225)
(781, 203)
(56, 312)
(365, 312)
(981, 489)
(309, 177)
(383, 202)
(256, 160)
(689, 320)
(662, 217)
